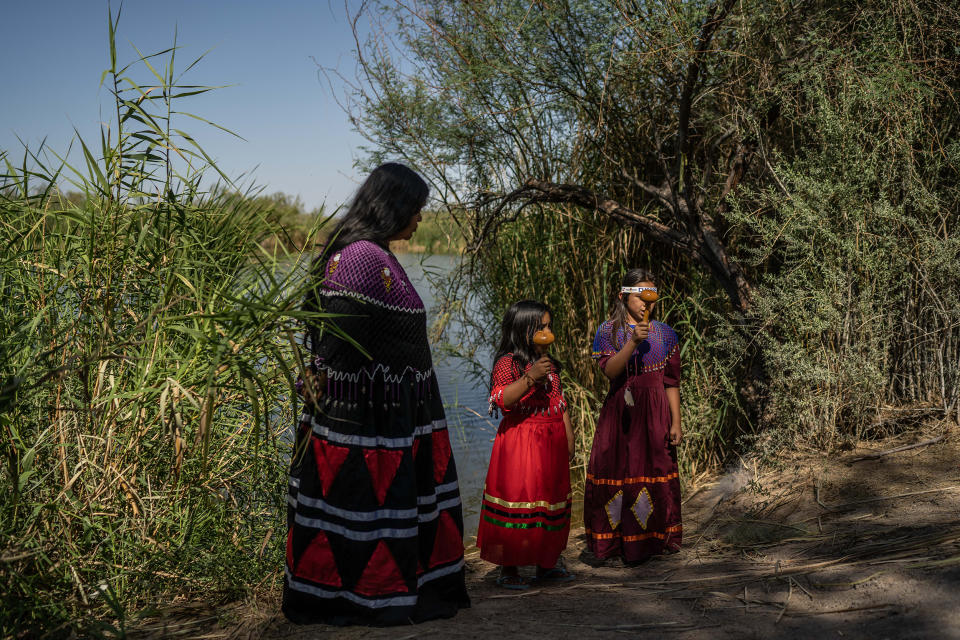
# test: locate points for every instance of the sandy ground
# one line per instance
(807, 547)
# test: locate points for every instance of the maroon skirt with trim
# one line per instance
(525, 515)
(631, 504)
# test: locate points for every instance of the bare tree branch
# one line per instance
(662, 193)
(543, 191)
(718, 13)
(705, 247)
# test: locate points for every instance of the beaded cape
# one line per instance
(650, 355)
(383, 314)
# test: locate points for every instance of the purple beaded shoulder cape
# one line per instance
(375, 528)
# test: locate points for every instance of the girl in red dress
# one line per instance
(525, 515)
(631, 504)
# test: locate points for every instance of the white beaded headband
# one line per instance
(637, 289)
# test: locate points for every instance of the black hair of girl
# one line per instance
(619, 315)
(521, 320)
(381, 208)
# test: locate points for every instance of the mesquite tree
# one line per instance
(776, 148)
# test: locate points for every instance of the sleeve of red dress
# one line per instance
(671, 373)
(504, 374)
(602, 362)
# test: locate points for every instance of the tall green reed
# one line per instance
(147, 365)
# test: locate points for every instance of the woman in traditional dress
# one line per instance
(631, 504)
(375, 529)
(525, 514)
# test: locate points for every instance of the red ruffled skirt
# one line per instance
(525, 515)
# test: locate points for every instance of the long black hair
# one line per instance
(521, 320)
(381, 208)
(619, 315)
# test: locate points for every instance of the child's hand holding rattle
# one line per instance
(540, 369)
(640, 332)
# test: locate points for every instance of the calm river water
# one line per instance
(464, 396)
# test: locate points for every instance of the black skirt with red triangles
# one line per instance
(375, 529)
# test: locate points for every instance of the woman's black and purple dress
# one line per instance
(375, 530)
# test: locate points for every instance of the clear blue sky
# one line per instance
(296, 137)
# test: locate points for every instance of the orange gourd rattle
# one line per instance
(543, 338)
(649, 296)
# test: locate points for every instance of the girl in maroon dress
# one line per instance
(525, 514)
(632, 495)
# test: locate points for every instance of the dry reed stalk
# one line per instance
(522, 594)
(907, 447)
(129, 492)
(856, 503)
(651, 626)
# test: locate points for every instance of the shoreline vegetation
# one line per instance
(148, 357)
(300, 231)
(790, 174)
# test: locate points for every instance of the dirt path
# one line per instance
(808, 548)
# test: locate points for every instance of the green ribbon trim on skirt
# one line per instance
(525, 525)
